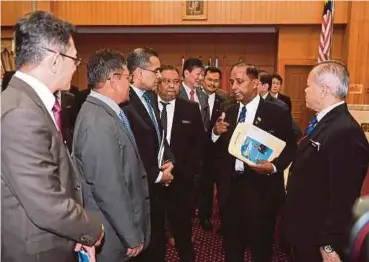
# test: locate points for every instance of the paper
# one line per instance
(250, 144)
(83, 256)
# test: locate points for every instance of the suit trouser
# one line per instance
(179, 206)
(250, 219)
(207, 195)
(156, 250)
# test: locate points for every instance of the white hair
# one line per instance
(334, 75)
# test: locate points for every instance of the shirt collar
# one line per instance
(188, 90)
(138, 91)
(252, 105)
(107, 100)
(325, 111)
(171, 103)
(46, 96)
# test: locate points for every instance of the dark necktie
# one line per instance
(242, 117)
(125, 121)
(164, 118)
(58, 117)
(151, 114)
(311, 126)
(192, 95)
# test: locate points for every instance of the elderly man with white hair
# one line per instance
(326, 177)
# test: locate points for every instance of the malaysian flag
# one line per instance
(325, 43)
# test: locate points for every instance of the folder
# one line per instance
(250, 144)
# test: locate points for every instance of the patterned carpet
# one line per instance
(208, 246)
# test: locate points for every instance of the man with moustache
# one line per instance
(193, 71)
(182, 125)
(211, 84)
(112, 174)
(253, 194)
(42, 217)
(327, 174)
(144, 66)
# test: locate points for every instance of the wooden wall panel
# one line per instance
(169, 12)
(259, 49)
(356, 50)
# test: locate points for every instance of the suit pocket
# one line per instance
(45, 241)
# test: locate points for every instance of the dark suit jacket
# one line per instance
(113, 178)
(186, 144)
(273, 119)
(296, 129)
(41, 207)
(286, 100)
(69, 115)
(324, 181)
(204, 106)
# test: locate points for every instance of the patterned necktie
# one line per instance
(192, 95)
(125, 121)
(164, 118)
(311, 126)
(242, 117)
(151, 113)
(58, 117)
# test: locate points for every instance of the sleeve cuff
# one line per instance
(159, 177)
(214, 137)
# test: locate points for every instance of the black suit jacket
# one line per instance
(69, 115)
(273, 119)
(286, 100)
(324, 181)
(187, 138)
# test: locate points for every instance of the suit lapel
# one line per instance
(136, 101)
(216, 110)
(183, 93)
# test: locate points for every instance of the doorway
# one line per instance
(294, 87)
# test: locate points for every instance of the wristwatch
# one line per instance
(328, 249)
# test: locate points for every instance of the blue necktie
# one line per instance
(242, 117)
(311, 126)
(125, 121)
(151, 113)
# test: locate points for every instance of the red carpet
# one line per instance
(208, 246)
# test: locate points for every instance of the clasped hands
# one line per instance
(167, 176)
(263, 167)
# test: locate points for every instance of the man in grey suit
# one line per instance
(41, 199)
(112, 174)
(193, 74)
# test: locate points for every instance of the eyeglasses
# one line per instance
(115, 74)
(167, 81)
(155, 71)
(77, 61)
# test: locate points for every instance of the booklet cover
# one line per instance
(250, 144)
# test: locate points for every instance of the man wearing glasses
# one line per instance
(41, 197)
(144, 66)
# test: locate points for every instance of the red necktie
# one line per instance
(192, 95)
(58, 118)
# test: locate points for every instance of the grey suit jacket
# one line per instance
(113, 179)
(204, 105)
(41, 199)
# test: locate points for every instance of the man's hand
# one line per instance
(98, 242)
(263, 167)
(132, 252)
(89, 250)
(329, 257)
(167, 173)
(220, 126)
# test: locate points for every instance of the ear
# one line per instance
(323, 91)
(54, 63)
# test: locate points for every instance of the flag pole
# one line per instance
(331, 40)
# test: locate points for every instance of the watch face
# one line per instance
(328, 249)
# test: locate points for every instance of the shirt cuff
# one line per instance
(159, 177)
(214, 137)
(274, 169)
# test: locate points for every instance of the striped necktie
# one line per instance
(125, 121)
(151, 114)
(242, 117)
(309, 129)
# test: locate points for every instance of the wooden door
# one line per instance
(294, 87)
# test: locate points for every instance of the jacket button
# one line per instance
(147, 198)
(77, 187)
(143, 177)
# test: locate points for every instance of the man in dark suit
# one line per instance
(112, 174)
(264, 86)
(252, 195)
(212, 80)
(41, 199)
(190, 89)
(277, 82)
(182, 125)
(327, 174)
(144, 65)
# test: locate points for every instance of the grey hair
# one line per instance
(333, 74)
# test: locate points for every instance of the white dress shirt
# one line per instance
(188, 90)
(43, 92)
(211, 101)
(170, 115)
(322, 113)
